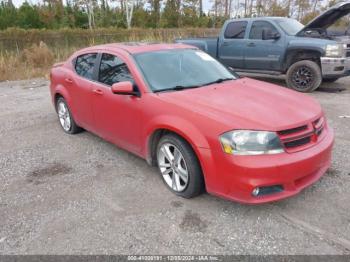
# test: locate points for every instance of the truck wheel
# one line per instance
(304, 76)
(330, 80)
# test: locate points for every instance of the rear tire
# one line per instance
(179, 166)
(304, 76)
(65, 117)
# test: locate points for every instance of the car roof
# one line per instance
(137, 47)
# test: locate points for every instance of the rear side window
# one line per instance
(236, 30)
(258, 27)
(84, 65)
(113, 70)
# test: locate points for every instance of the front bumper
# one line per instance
(235, 177)
(335, 67)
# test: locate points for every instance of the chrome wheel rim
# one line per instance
(173, 167)
(303, 77)
(64, 116)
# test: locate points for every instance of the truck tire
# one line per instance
(304, 76)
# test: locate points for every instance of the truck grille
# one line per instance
(302, 137)
(348, 50)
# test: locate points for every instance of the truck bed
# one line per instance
(207, 44)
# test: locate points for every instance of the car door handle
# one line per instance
(68, 80)
(225, 43)
(251, 44)
(98, 91)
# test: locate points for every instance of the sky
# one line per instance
(206, 4)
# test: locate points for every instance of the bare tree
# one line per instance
(88, 5)
(129, 10)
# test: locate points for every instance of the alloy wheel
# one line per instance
(173, 167)
(303, 77)
(64, 116)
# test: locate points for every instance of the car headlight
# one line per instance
(246, 142)
(335, 50)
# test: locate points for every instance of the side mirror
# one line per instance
(269, 35)
(123, 88)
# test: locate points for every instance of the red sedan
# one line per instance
(201, 124)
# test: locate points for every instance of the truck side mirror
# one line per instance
(267, 34)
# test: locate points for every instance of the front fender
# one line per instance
(180, 126)
(306, 44)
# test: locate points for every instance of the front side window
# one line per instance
(84, 65)
(180, 68)
(236, 30)
(258, 27)
(113, 70)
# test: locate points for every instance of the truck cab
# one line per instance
(307, 55)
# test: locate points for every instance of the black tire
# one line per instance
(73, 128)
(304, 76)
(195, 185)
(330, 80)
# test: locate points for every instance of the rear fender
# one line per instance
(61, 90)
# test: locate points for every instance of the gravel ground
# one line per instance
(63, 194)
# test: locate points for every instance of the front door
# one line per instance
(263, 54)
(117, 117)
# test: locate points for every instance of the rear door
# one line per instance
(232, 43)
(117, 117)
(263, 54)
(78, 84)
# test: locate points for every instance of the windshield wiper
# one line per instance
(218, 81)
(175, 88)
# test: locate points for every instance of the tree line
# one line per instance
(53, 14)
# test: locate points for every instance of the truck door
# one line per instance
(231, 44)
(264, 48)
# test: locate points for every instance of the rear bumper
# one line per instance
(335, 67)
(235, 177)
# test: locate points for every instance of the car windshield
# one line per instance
(181, 69)
(290, 26)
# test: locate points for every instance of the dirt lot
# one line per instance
(63, 194)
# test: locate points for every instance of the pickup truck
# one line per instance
(307, 55)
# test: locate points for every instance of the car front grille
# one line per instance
(298, 142)
(302, 137)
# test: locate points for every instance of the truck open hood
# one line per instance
(329, 17)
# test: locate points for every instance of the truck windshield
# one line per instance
(290, 26)
(181, 69)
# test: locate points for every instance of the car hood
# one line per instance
(329, 17)
(248, 104)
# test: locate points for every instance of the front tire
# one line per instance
(179, 166)
(304, 76)
(65, 117)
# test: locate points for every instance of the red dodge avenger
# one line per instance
(201, 124)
